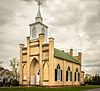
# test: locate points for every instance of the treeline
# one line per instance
(92, 80)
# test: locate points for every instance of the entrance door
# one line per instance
(32, 80)
(38, 78)
(34, 72)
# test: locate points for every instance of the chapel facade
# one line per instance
(42, 64)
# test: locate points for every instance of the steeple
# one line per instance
(38, 27)
(38, 17)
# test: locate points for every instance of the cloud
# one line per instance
(11, 29)
(90, 24)
(65, 15)
(74, 24)
(78, 27)
(6, 14)
(91, 19)
(43, 2)
(28, 0)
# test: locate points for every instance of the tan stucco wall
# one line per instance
(64, 65)
(44, 54)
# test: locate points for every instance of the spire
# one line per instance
(38, 17)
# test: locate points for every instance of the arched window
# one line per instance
(68, 74)
(58, 73)
(45, 72)
(33, 32)
(24, 72)
(76, 69)
(43, 30)
(58, 66)
(77, 75)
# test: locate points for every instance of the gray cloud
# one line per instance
(90, 24)
(43, 2)
(91, 19)
(74, 24)
(85, 21)
(6, 14)
(66, 14)
(28, 0)
(11, 29)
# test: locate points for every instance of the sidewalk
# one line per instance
(98, 89)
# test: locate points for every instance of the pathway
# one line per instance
(98, 89)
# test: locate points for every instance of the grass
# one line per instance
(81, 88)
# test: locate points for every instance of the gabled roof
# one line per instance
(62, 55)
(3, 71)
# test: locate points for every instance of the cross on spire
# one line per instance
(38, 17)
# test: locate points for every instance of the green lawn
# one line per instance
(81, 88)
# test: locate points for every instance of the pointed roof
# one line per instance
(39, 13)
(38, 17)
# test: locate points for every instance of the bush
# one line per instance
(15, 83)
(8, 84)
(1, 84)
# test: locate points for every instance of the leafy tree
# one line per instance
(15, 67)
(93, 80)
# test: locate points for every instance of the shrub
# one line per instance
(15, 83)
(1, 84)
(8, 84)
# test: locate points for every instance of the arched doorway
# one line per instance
(35, 72)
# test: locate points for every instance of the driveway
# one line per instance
(94, 89)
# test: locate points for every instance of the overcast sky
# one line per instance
(73, 23)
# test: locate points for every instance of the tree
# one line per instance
(93, 80)
(15, 67)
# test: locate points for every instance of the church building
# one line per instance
(42, 64)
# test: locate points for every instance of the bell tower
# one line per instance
(38, 27)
